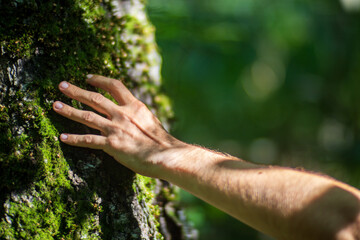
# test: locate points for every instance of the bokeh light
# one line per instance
(272, 82)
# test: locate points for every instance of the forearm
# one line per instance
(282, 202)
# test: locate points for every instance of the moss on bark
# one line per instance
(52, 191)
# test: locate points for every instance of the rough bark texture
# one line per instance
(53, 191)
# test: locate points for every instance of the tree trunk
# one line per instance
(49, 190)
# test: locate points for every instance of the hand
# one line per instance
(130, 133)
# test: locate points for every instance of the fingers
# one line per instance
(92, 99)
(115, 87)
(88, 141)
(88, 118)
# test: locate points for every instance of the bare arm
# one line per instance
(281, 202)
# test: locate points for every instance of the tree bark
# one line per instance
(49, 190)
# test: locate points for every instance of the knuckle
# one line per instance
(113, 84)
(69, 111)
(139, 108)
(89, 116)
(88, 139)
(113, 142)
(137, 105)
(74, 91)
(140, 105)
(118, 113)
(96, 98)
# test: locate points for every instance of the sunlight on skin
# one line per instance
(282, 202)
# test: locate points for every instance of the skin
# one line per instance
(281, 202)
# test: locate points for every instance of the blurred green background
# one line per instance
(274, 82)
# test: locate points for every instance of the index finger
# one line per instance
(115, 87)
(92, 99)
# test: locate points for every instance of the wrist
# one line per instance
(169, 158)
(187, 162)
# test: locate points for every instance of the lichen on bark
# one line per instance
(52, 191)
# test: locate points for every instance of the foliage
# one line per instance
(272, 82)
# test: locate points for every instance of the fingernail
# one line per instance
(58, 105)
(64, 85)
(63, 137)
(89, 76)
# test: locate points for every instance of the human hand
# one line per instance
(130, 132)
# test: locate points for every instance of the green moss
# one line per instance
(20, 47)
(39, 210)
(145, 189)
(49, 191)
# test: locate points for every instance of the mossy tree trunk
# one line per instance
(53, 191)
